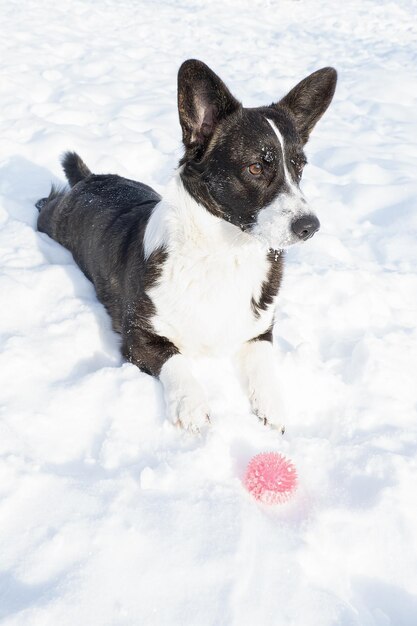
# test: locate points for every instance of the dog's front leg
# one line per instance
(258, 370)
(185, 398)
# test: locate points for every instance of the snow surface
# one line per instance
(110, 516)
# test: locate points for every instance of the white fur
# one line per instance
(257, 367)
(212, 271)
(273, 224)
(185, 399)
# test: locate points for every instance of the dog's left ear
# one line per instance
(308, 100)
(203, 101)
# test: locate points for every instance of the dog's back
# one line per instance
(99, 219)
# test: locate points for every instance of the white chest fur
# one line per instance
(211, 274)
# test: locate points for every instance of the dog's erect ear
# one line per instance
(203, 100)
(308, 100)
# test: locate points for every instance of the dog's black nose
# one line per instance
(305, 226)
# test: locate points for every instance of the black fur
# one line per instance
(74, 167)
(101, 220)
(266, 336)
(308, 100)
(56, 192)
(271, 284)
(203, 101)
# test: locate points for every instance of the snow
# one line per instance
(109, 515)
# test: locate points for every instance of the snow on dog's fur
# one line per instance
(197, 271)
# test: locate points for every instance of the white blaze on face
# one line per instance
(273, 224)
(288, 178)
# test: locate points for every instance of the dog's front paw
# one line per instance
(185, 398)
(190, 412)
(268, 406)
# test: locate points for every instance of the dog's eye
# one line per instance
(255, 169)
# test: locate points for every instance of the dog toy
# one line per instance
(270, 478)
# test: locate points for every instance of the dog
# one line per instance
(198, 270)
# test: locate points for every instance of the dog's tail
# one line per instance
(75, 170)
(74, 167)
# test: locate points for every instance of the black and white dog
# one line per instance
(197, 271)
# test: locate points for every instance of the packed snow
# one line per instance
(109, 516)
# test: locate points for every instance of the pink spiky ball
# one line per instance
(270, 478)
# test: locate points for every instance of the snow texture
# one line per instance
(109, 516)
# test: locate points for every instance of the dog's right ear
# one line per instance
(203, 101)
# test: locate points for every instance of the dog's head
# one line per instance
(245, 164)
